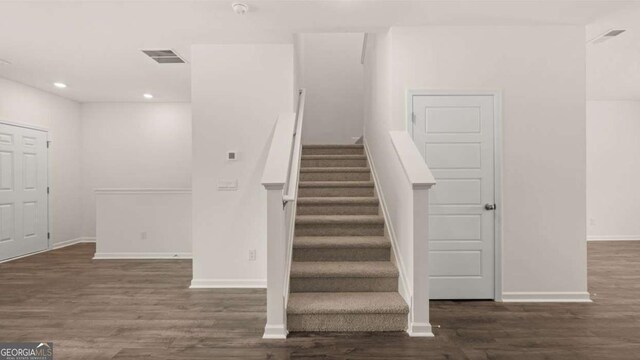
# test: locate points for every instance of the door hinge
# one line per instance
(413, 118)
(48, 235)
(47, 189)
(48, 143)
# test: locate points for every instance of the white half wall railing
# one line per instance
(280, 179)
(420, 179)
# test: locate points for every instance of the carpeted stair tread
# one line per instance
(340, 242)
(334, 157)
(334, 169)
(326, 184)
(337, 269)
(347, 303)
(344, 200)
(339, 219)
(333, 146)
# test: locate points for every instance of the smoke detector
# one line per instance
(607, 35)
(240, 8)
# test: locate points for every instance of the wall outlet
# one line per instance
(143, 235)
(252, 255)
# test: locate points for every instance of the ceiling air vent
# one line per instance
(609, 34)
(164, 56)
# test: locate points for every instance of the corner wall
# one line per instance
(133, 145)
(328, 67)
(23, 104)
(613, 170)
(237, 93)
(541, 71)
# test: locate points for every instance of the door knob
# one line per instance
(490, 206)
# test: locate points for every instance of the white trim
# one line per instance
(546, 297)
(275, 332)
(56, 246)
(613, 238)
(403, 283)
(142, 191)
(228, 284)
(141, 256)
(62, 244)
(420, 330)
(497, 162)
(24, 125)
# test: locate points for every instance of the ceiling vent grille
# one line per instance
(164, 56)
(609, 34)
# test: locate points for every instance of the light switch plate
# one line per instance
(227, 185)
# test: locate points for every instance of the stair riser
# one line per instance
(341, 254)
(335, 176)
(359, 284)
(332, 151)
(339, 230)
(304, 209)
(347, 322)
(335, 191)
(334, 163)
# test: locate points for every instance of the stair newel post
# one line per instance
(276, 262)
(419, 324)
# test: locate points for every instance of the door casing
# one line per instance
(49, 208)
(497, 146)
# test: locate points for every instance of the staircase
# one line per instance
(342, 277)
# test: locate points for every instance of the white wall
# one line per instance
(329, 68)
(541, 71)
(24, 104)
(613, 170)
(237, 93)
(133, 145)
(143, 223)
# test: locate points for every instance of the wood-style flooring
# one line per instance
(130, 309)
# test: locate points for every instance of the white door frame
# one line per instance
(497, 146)
(49, 210)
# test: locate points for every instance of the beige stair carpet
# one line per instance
(342, 278)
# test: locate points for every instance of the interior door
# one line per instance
(23, 191)
(455, 134)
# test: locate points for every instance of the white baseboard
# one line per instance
(420, 330)
(275, 332)
(228, 284)
(141, 256)
(61, 244)
(613, 238)
(55, 246)
(546, 297)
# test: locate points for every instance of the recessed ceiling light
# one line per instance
(60, 85)
(148, 96)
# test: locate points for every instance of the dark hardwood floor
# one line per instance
(133, 309)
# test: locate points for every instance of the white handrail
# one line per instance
(419, 181)
(280, 179)
(296, 152)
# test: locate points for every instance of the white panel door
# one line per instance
(455, 135)
(23, 191)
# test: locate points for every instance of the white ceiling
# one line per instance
(94, 46)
